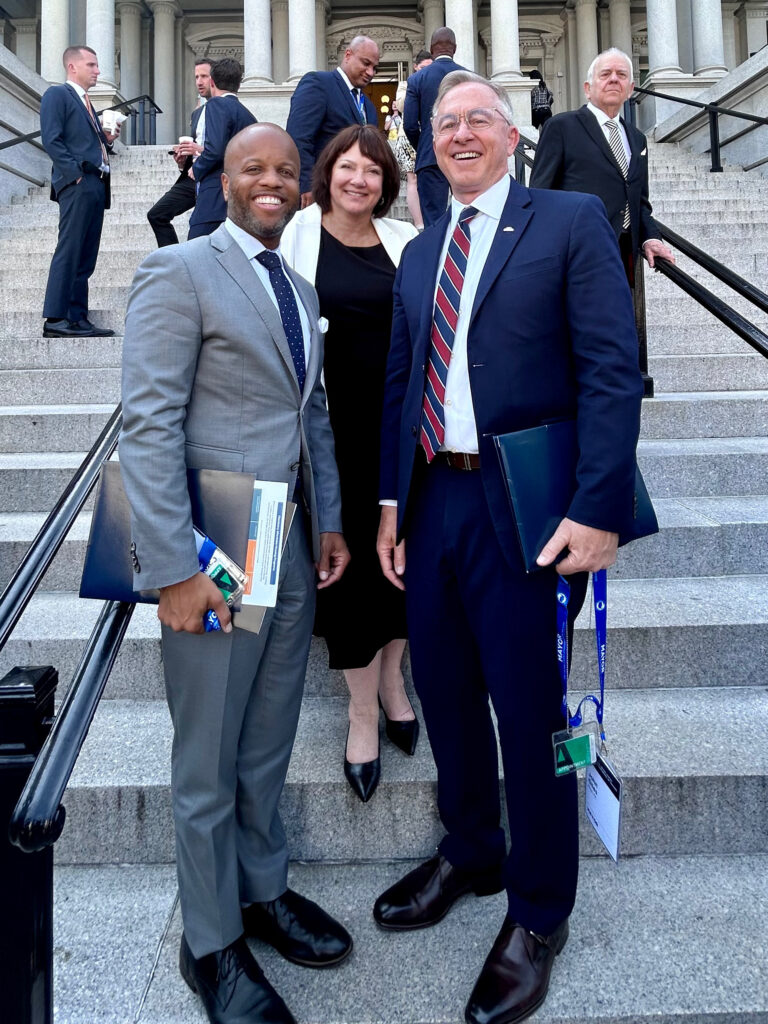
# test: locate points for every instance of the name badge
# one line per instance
(603, 803)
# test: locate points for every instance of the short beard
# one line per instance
(243, 215)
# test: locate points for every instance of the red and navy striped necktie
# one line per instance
(444, 322)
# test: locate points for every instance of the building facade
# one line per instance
(149, 46)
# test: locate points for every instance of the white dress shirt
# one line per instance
(460, 429)
(252, 247)
(602, 119)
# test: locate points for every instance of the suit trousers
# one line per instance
(81, 215)
(432, 186)
(234, 700)
(179, 198)
(479, 629)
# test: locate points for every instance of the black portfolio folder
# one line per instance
(539, 468)
(221, 509)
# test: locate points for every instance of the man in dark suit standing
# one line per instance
(74, 140)
(327, 101)
(417, 124)
(500, 324)
(225, 116)
(180, 197)
(593, 149)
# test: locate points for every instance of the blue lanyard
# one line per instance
(600, 599)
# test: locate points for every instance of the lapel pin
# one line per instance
(508, 229)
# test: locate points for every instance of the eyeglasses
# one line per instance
(479, 120)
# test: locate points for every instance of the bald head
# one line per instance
(443, 42)
(360, 61)
(261, 181)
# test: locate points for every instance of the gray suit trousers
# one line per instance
(234, 701)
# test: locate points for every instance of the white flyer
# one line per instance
(603, 803)
(265, 543)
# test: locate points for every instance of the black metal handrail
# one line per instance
(38, 819)
(714, 110)
(21, 138)
(146, 106)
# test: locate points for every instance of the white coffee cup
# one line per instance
(185, 138)
(111, 120)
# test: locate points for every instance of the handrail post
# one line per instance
(638, 298)
(26, 880)
(714, 137)
(152, 125)
(142, 129)
(519, 168)
(134, 115)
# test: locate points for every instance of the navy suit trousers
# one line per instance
(432, 186)
(479, 629)
(81, 215)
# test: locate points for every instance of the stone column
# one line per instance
(302, 48)
(130, 48)
(459, 17)
(100, 34)
(257, 52)
(26, 41)
(182, 121)
(54, 38)
(621, 25)
(729, 35)
(164, 90)
(708, 50)
(663, 55)
(685, 36)
(321, 12)
(586, 35)
(279, 40)
(505, 35)
(434, 18)
(78, 17)
(575, 91)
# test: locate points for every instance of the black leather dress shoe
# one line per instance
(299, 930)
(426, 894)
(363, 778)
(90, 330)
(61, 329)
(515, 978)
(404, 735)
(232, 986)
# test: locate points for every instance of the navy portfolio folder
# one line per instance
(539, 468)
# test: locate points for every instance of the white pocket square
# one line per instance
(322, 325)
(644, 152)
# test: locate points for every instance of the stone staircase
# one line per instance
(676, 933)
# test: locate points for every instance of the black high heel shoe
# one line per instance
(363, 778)
(404, 735)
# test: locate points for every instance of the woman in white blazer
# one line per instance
(345, 245)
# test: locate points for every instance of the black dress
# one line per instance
(363, 611)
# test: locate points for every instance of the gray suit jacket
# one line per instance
(209, 383)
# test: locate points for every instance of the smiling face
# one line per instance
(83, 69)
(611, 84)
(472, 160)
(356, 184)
(261, 181)
(360, 64)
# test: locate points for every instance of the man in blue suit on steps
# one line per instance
(80, 183)
(511, 312)
(327, 101)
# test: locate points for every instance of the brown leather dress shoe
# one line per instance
(515, 977)
(426, 894)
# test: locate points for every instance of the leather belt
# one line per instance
(459, 460)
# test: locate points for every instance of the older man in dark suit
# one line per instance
(327, 101)
(592, 149)
(419, 99)
(80, 183)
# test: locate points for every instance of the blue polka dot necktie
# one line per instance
(289, 311)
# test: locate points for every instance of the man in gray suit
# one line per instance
(221, 369)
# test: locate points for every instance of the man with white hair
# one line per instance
(593, 149)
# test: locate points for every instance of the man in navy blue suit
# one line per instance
(327, 101)
(80, 183)
(225, 116)
(417, 124)
(523, 295)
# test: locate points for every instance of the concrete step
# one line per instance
(30, 298)
(712, 338)
(675, 309)
(51, 428)
(118, 801)
(27, 325)
(701, 414)
(699, 537)
(684, 632)
(747, 371)
(60, 353)
(74, 386)
(642, 966)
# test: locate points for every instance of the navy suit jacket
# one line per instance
(551, 337)
(321, 107)
(419, 99)
(225, 116)
(573, 154)
(69, 138)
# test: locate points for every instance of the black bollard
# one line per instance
(26, 879)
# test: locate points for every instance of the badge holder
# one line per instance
(575, 748)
